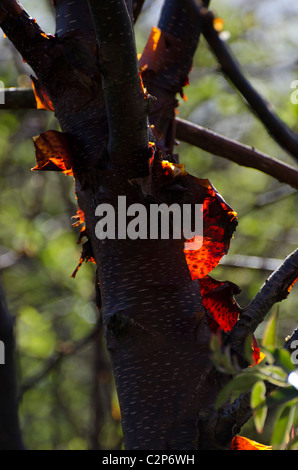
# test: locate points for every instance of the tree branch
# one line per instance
(278, 130)
(74, 16)
(137, 8)
(18, 98)
(126, 103)
(165, 63)
(24, 32)
(206, 139)
(241, 154)
(275, 289)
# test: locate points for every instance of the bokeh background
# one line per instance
(66, 390)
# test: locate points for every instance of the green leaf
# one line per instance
(282, 426)
(274, 374)
(241, 383)
(222, 359)
(258, 404)
(269, 335)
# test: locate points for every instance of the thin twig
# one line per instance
(278, 130)
(18, 98)
(24, 32)
(252, 262)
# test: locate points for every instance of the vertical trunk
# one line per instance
(155, 333)
(10, 435)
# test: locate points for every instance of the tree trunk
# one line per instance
(156, 328)
(10, 436)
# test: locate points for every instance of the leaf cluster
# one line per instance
(272, 385)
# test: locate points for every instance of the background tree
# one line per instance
(79, 107)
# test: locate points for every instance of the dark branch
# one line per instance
(10, 435)
(241, 154)
(275, 289)
(125, 101)
(137, 8)
(24, 32)
(73, 16)
(18, 98)
(206, 139)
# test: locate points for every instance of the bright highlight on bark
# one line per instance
(42, 98)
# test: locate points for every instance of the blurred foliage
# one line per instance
(63, 406)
